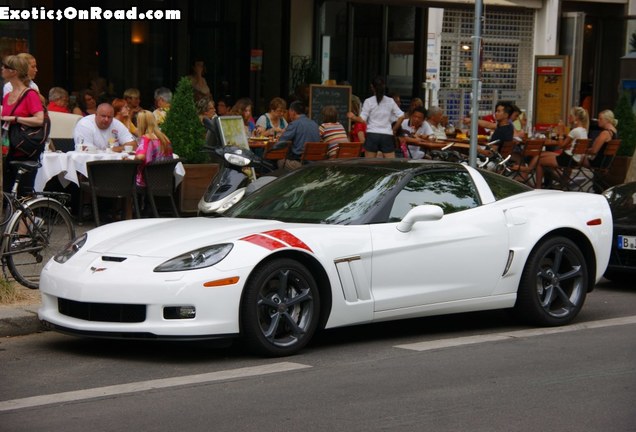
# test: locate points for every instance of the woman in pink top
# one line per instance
(153, 144)
(21, 106)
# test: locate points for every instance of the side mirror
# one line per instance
(419, 214)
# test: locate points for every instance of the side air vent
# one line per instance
(113, 259)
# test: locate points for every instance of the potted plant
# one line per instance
(627, 133)
(187, 135)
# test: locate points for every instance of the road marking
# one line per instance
(142, 386)
(471, 340)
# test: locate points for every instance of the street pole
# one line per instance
(475, 79)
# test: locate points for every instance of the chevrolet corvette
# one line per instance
(334, 244)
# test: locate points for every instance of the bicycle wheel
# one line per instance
(7, 209)
(35, 236)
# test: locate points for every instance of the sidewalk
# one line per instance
(21, 318)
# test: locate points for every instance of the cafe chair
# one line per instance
(314, 151)
(61, 135)
(112, 179)
(349, 150)
(276, 150)
(598, 176)
(159, 176)
(525, 171)
(575, 176)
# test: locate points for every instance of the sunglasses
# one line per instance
(6, 66)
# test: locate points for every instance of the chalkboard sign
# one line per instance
(338, 96)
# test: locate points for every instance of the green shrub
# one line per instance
(182, 125)
(626, 125)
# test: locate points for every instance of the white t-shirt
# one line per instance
(379, 117)
(8, 87)
(576, 133)
(439, 131)
(87, 132)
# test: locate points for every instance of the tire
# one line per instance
(553, 284)
(280, 308)
(28, 253)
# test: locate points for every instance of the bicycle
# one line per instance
(35, 229)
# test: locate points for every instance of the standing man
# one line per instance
(103, 130)
(300, 131)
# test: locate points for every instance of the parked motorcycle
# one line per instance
(237, 172)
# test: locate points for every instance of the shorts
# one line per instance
(564, 159)
(376, 142)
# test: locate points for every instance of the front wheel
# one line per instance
(35, 236)
(280, 308)
(553, 284)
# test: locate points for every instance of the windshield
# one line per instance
(340, 194)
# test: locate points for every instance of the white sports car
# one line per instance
(335, 244)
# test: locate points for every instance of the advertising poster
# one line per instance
(550, 94)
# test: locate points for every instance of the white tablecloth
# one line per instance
(67, 165)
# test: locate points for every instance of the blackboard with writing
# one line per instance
(338, 96)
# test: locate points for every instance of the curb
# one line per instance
(19, 321)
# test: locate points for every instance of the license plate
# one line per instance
(627, 242)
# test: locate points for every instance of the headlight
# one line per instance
(237, 160)
(196, 259)
(70, 249)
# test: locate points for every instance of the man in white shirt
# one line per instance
(103, 131)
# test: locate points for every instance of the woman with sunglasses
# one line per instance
(20, 106)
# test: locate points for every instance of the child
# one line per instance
(153, 144)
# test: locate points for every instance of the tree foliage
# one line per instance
(626, 125)
(182, 125)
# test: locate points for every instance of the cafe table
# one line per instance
(66, 166)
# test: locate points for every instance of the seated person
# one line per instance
(607, 123)
(300, 131)
(332, 132)
(414, 130)
(272, 123)
(163, 99)
(154, 145)
(58, 100)
(434, 120)
(132, 96)
(122, 113)
(103, 131)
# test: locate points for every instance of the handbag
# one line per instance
(29, 140)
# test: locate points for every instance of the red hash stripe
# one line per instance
(266, 242)
(288, 238)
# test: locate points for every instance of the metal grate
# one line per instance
(507, 37)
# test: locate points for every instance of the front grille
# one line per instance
(104, 312)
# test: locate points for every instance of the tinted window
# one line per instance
(320, 194)
(503, 187)
(452, 191)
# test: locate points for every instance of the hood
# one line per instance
(170, 237)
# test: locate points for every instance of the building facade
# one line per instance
(261, 49)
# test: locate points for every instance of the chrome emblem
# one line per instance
(97, 269)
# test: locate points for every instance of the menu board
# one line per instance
(550, 91)
(338, 96)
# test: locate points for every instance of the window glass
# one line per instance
(320, 194)
(503, 187)
(452, 191)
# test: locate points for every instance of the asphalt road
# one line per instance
(469, 372)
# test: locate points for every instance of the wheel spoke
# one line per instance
(304, 296)
(267, 301)
(564, 297)
(283, 280)
(296, 331)
(576, 271)
(270, 333)
(548, 296)
(558, 257)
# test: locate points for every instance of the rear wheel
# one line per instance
(280, 308)
(36, 237)
(553, 284)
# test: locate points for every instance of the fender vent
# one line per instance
(113, 259)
